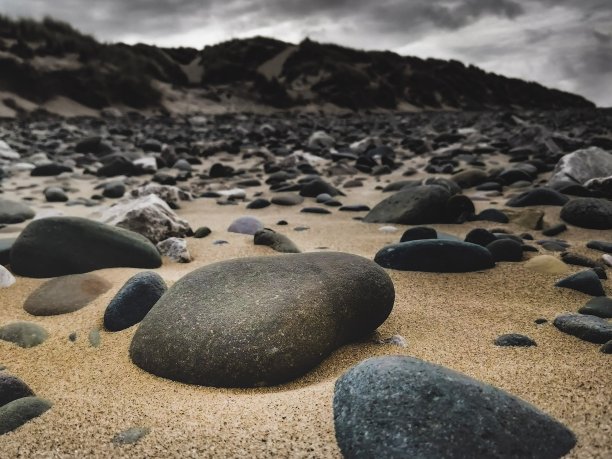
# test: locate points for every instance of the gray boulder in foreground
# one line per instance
(261, 321)
(402, 407)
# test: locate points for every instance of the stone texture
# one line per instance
(23, 334)
(285, 313)
(16, 413)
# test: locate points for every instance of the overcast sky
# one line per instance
(566, 44)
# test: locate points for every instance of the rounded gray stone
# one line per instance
(24, 334)
(18, 412)
(261, 321)
(403, 407)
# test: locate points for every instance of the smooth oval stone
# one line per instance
(245, 225)
(130, 436)
(14, 212)
(419, 205)
(201, 232)
(18, 412)
(589, 213)
(402, 407)
(538, 197)
(276, 241)
(261, 321)
(258, 203)
(65, 294)
(418, 233)
(24, 334)
(602, 246)
(287, 199)
(12, 388)
(587, 328)
(435, 255)
(57, 246)
(134, 300)
(506, 250)
(599, 306)
(585, 282)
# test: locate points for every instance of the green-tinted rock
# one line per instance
(24, 334)
(18, 412)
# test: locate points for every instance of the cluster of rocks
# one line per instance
(18, 404)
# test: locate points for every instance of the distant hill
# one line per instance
(43, 60)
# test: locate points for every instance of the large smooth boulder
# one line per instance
(397, 406)
(14, 212)
(148, 215)
(589, 213)
(57, 246)
(418, 205)
(435, 255)
(65, 294)
(579, 167)
(261, 321)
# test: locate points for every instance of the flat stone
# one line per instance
(397, 406)
(514, 340)
(585, 281)
(65, 294)
(538, 197)
(442, 256)
(286, 313)
(599, 306)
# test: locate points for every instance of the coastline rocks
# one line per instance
(65, 294)
(397, 406)
(585, 281)
(148, 215)
(419, 205)
(57, 246)
(134, 300)
(435, 255)
(23, 334)
(275, 241)
(285, 313)
(591, 213)
(579, 167)
(14, 212)
(599, 306)
(20, 411)
(588, 328)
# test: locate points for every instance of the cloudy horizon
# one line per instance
(558, 43)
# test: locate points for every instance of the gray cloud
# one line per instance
(574, 52)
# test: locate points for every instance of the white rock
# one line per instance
(170, 194)
(234, 193)
(321, 139)
(148, 163)
(175, 249)
(607, 259)
(7, 152)
(581, 166)
(364, 145)
(6, 278)
(387, 229)
(147, 215)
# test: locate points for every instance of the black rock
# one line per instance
(418, 233)
(459, 208)
(258, 203)
(506, 250)
(201, 232)
(287, 199)
(602, 246)
(491, 215)
(316, 187)
(18, 412)
(589, 213)
(555, 229)
(355, 208)
(118, 166)
(5, 250)
(538, 197)
(113, 190)
(514, 339)
(49, 170)
(599, 306)
(55, 194)
(578, 260)
(315, 210)
(57, 246)
(261, 321)
(585, 281)
(92, 145)
(606, 348)
(437, 255)
(397, 406)
(12, 388)
(480, 236)
(134, 300)
(588, 328)
(418, 205)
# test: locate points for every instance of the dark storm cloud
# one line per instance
(571, 39)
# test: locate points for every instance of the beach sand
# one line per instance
(448, 319)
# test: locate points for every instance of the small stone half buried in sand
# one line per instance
(130, 436)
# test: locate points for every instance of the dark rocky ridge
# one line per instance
(312, 73)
